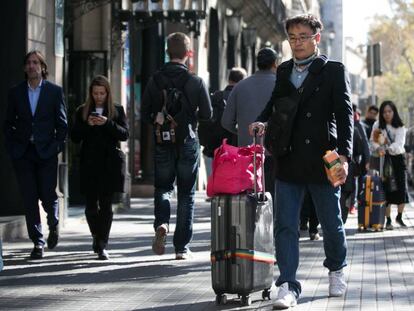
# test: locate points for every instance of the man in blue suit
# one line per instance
(35, 131)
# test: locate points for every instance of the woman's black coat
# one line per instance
(324, 119)
(102, 163)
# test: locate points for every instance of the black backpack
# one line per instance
(211, 133)
(174, 116)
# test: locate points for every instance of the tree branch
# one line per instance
(408, 60)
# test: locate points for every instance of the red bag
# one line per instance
(233, 169)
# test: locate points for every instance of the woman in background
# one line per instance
(388, 137)
(100, 125)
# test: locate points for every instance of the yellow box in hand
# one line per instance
(332, 164)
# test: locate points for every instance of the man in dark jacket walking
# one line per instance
(357, 167)
(370, 117)
(323, 121)
(176, 97)
(35, 130)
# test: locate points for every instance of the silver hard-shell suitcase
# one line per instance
(242, 245)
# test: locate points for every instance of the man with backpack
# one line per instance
(211, 133)
(174, 100)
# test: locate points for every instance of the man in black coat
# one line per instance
(35, 131)
(177, 160)
(357, 166)
(370, 117)
(323, 121)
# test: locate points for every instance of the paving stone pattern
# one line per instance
(380, 270)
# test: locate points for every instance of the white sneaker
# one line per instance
(184, 256)
(285, 298)
(337, 285)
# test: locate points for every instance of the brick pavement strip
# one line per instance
(380, 270)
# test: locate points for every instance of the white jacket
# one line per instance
(397, 138)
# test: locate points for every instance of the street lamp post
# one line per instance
(233, 24)
(249, 38)
(331, 38)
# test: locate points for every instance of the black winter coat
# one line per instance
(102, 163)
(324, 120)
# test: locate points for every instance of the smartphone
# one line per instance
(95, 114)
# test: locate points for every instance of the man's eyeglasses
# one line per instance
(301, 39)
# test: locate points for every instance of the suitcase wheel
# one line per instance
(266, 294)
(246, 300)
(377, 227)
(361, 229)
(221, 299)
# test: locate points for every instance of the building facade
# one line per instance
(125, 40)
(333, 35)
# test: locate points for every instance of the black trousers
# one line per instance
(308, 213)
(99, 216)
(37, 180)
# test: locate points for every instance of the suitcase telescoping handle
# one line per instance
(381, 166)
(261, 164)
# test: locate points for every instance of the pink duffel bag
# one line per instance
(233, 171)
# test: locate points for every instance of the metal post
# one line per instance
(371, 47)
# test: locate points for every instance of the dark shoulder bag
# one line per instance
(280, 125)
(389, 180)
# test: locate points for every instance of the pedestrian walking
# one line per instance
(391, 129)
(211, 133)
(308, 215)
(358, 167)
(99, 126)
(35, 130)
(248, 99)
(311, 96)
(173, 100)
(371, 116)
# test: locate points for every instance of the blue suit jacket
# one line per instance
(48, 125)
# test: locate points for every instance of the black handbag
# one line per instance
(280, 125)
(390, 182)
(117, 169)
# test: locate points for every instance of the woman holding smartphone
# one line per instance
(100, 125)
(388, 137)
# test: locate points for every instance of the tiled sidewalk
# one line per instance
(380, 272)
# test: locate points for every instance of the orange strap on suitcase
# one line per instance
(368, 200)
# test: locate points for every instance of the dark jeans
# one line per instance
(181, 164)
(289, 199)
(37, 179)
(99, 215)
